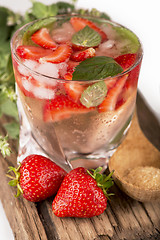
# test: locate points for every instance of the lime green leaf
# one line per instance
(96, 68)
(94, 94)
(86, 37)
(12, 129)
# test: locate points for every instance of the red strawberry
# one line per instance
(43, 39)
(71, 66)
(62, 107)
(68, 76)
(126, 60)
(74, 90)
(80, 23)
(82, 55)
(32, 52)
(37, 178)
(110, 100)
(61, 54)
(70, 69)
(80, 196)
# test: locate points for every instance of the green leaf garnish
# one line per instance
(40, 10)
(86, 37)
(94, 94)
(131, 42)
(96, 68)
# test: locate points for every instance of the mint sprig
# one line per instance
(86, 37)
(96, 68)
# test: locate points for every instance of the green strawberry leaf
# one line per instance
(96, 68)
(132, 43)
(10, 108)
(35, 27)
(12, 129)
(86, 37)
(94, 94)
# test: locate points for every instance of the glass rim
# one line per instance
(13, 49)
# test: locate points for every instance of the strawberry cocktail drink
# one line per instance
(76, 81)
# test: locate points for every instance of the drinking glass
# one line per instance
(75, 135)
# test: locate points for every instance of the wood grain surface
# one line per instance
(124, 217)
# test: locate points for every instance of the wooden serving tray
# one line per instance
(124, 217)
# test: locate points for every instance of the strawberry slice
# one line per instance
(68, 76)
(80, 23)
(43, 39)
(61, 107)
(110, 101)
(111, 82)
(74, 90)
(61, 54)
(32, 52)
(82, 55)
(126, 60)
(71, 66)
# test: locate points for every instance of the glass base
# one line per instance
(28, 145)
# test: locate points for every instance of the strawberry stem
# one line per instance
(103, 181)
(15, 180)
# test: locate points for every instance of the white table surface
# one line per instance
(143, 18)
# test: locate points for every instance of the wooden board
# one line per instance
(124, 217)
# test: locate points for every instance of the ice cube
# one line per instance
(47, 69)
(63, 34)
(43, 93)
(24, 68)
(107, 45)
(62, 68)
(37, 91)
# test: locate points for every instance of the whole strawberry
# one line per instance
(82, 194)
(37, 178)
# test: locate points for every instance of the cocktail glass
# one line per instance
(73, 134)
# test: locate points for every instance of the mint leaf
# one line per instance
(96, 68)
(34, 27)
(94, 94)
(10, 108)
(132, 43)
(86, 37)
(12, 129)
(40, 10)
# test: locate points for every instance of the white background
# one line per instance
(143, 18)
